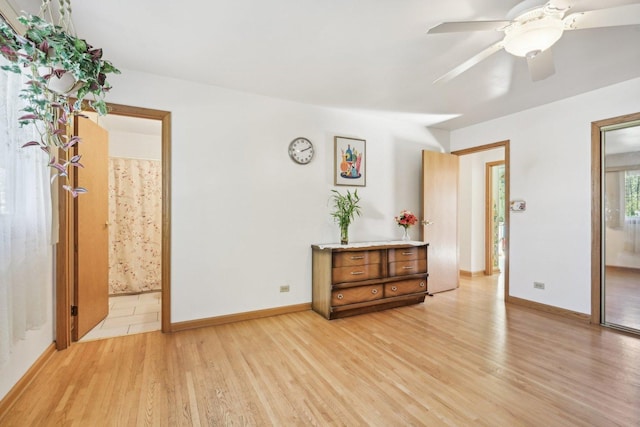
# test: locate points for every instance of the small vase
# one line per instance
(344, 234)
(405, 234)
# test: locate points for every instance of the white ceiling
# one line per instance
(623, 140)
(372, 56)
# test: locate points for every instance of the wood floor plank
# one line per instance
(461, 358)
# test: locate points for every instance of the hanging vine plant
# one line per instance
(63, 74)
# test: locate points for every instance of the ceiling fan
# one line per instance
(534, 28)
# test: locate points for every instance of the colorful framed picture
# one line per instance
(350, 162)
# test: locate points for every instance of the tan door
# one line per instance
(440, 206)
(92, 233)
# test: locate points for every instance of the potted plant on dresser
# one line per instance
(346, 208)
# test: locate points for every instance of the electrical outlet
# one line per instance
(538, 285)
(284, 288)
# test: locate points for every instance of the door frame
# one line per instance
(596, 209)
(500, 144)
(64, 279)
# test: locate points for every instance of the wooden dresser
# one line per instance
(364, 277)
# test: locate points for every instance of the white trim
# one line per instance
(10, 15)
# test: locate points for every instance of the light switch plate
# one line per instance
(518, 205)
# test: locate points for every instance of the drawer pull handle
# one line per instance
(374, 291)
(394, 288)
(358, 257)
(422, 284)
(407, 253)
(407, 268)
(340, 296)
(357, 273)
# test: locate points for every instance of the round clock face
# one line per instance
(301, 150)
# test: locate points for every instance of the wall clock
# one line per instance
(301, 150)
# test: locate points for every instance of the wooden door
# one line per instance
(91, 290)
(440, 207)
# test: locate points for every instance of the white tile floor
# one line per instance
(129, 314)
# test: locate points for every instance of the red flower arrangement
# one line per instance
(406, 219)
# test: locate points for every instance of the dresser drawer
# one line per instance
(403, 268)
(345, 259)
(355, 273)
(405, 287)
(407, 254)
(357, 294)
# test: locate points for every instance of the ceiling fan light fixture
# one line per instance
(536, 35)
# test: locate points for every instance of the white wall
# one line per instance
(551, 171)
(471, 205)
(26, 351)
(243, 214)
(131, 137)
(135, 145)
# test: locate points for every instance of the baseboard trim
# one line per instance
(568, 314)
(16, 391)
(239, 317)
(466, 273)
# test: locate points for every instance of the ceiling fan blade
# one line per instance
(541, 65)
(470, 63)
(455, 27)
(611, 17)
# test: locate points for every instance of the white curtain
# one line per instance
(632, 234)
(614, 199)
(25, 223)
(135, 230)
(615, 209)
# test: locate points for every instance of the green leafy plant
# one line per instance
(346, 209)
(45, 54)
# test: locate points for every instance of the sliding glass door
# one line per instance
(620, 289)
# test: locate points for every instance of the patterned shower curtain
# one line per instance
(135, 217)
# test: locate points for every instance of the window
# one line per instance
(26, 266)
(632, 193)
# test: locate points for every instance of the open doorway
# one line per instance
(483, 214)
(134, 202)
(495, 207)
(66, 279)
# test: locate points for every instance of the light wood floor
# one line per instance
(460, 359)
(622, 297)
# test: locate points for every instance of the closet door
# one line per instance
(620, 292)
(440, 206)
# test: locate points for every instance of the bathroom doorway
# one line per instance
(134, 226)
(66, 268)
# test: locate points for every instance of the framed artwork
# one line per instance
(350, 162)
